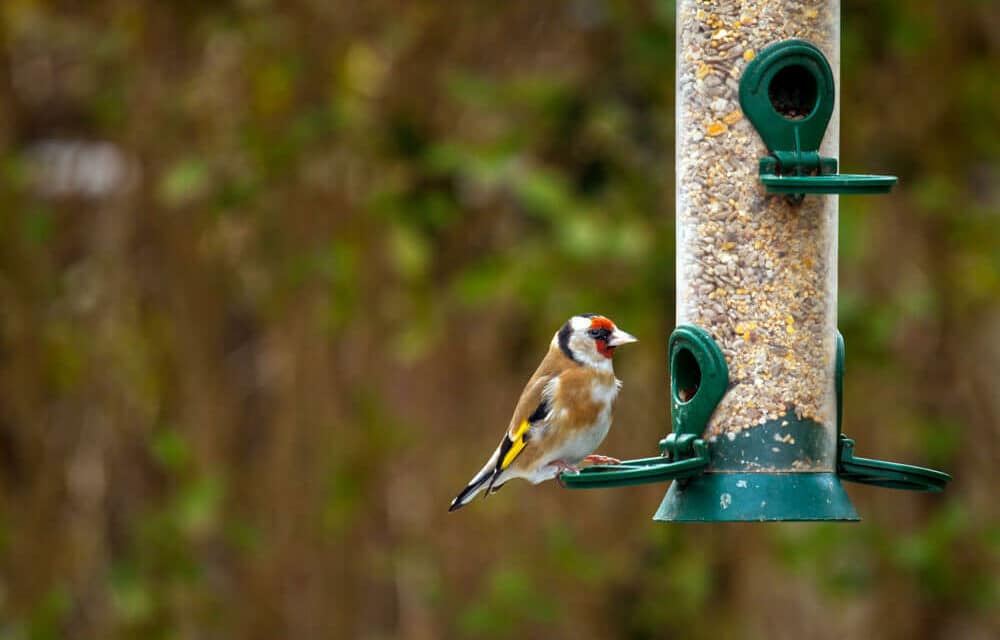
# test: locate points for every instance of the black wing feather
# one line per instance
(536, 416)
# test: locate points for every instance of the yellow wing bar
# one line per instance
(518, 443)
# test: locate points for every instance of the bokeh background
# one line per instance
(273, 273)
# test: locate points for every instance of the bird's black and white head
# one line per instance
(591, 339)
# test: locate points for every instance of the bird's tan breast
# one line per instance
(584, 395)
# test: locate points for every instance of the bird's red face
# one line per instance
(601, 330)
(591, 338)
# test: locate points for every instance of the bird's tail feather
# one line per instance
(475, 485)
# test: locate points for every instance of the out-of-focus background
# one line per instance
(272, 275)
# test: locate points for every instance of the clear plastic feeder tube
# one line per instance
(758, 272)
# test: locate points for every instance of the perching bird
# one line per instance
(564, 412)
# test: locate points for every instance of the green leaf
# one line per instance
(170, 450)
(183, 183)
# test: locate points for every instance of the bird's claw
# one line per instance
(561, 468)
(596, 459)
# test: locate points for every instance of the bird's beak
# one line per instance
(619, 337)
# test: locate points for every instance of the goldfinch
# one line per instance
(564, 412)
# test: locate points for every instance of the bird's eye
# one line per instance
(598, 334)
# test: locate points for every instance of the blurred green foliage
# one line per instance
(268, 308)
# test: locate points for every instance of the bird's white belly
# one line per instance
(573, 451)
(581, 447)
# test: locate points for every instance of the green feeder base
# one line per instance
(757, 497)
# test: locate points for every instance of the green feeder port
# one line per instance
(756, 362)
(787, 92)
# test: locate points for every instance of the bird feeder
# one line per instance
(756, 361)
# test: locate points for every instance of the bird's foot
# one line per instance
(561, 468)
(596, 459)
